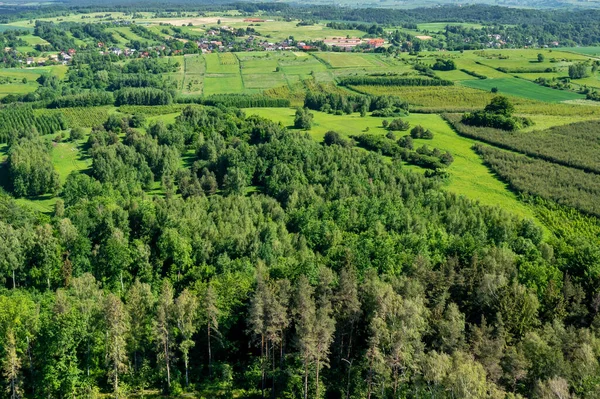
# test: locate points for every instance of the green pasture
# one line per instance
(523, 88)
(68, 158)
(222, 84)
(592, 51)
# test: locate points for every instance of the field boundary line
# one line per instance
(240, 68)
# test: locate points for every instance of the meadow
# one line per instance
(469, 177)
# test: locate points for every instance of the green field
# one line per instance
(523, 88)
(441, 26)
(349, 60)
(194, 68)
(590, 51)
(11, 79)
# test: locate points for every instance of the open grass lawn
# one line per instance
(523, 88)
(68, 158)
(469, 177)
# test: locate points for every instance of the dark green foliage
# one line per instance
(76, 133)
(237, 100)
(16, 119)
(303, 119)
(406, 142)
(423, 157)
(30, 169)
(288, 265)
(578, 70)
(418, 132)
(398, 125)
(142, 96)
(500, 105)
(498, 115)
(89, 99)
(334, 138)
(548, 180)
(474, 74)
(444, 65)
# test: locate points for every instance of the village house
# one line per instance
(375, 43)
(346, 44)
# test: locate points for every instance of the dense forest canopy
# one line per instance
(196, 201)
(277, 266)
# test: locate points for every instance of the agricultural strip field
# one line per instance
(469, 177)
(345, 60)
(575, 145)
(194, 68)
(523, 88)
(568, 186)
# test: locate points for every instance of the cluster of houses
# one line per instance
(348, 44)
(63, 57)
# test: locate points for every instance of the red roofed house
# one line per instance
(376, 43)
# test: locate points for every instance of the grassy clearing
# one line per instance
(523, 88)
(469, 177)
(68, 158)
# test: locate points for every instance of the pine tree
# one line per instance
(305, 316)
(186, 313)
(140, 306)
(117, 323)
(11, 365)
(212, 314)
(163, 328)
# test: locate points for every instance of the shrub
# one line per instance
(398, 125)
(77, 133)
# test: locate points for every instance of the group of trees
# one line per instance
(334, 102)
(498, 114)
(30, 168)
(444, 65)
(341, 275)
